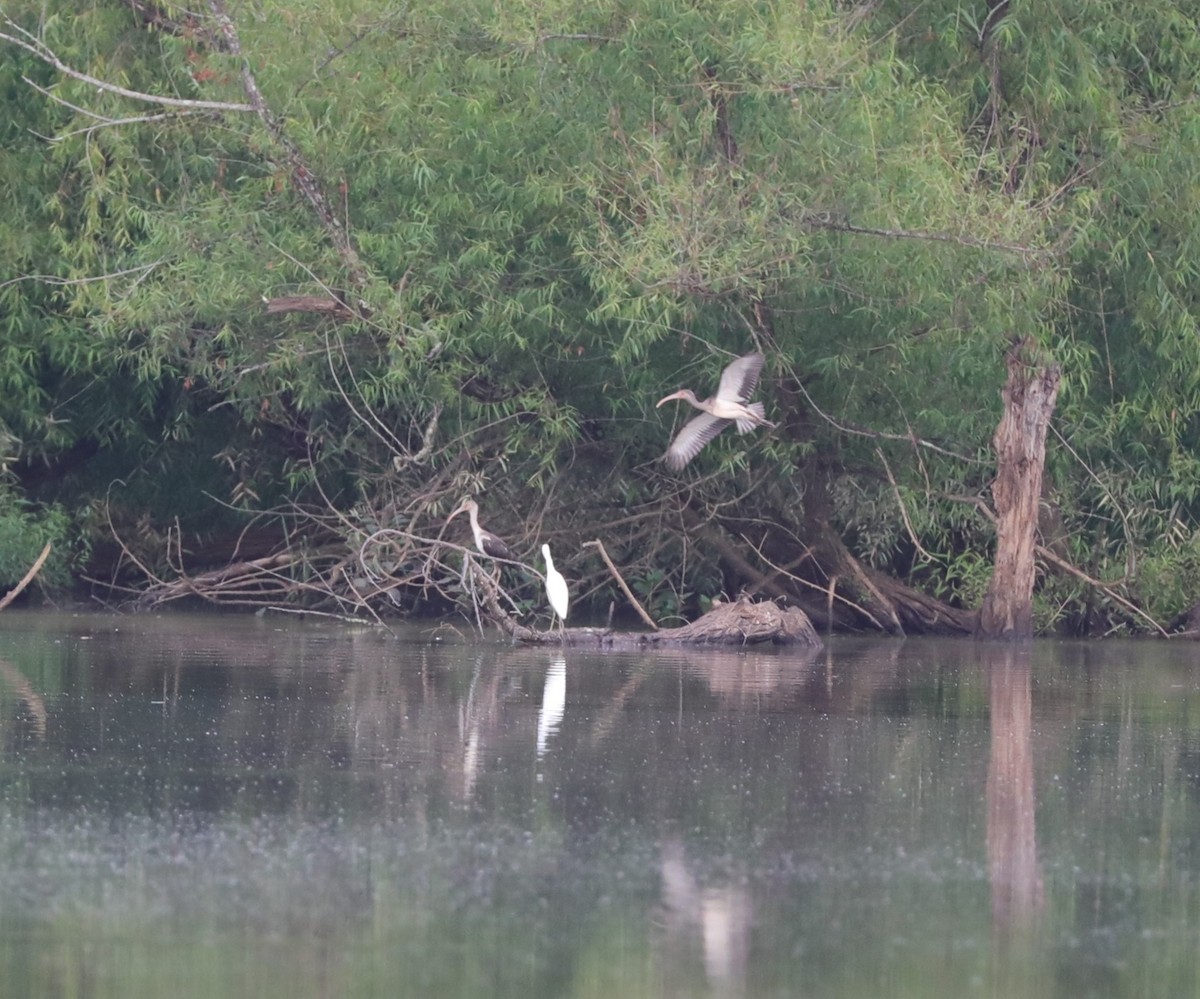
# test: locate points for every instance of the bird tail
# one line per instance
(760, 419)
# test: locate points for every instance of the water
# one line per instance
(221, 806)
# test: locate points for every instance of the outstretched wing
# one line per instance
(688, 443)
(739, 379)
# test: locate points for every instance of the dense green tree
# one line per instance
(1089, 110)
(360, 261)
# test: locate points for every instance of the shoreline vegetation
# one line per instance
(279, 294)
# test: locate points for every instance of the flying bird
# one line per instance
(485, 541)
(556, 588)
(729, 405)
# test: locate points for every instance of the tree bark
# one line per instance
(1029, 395)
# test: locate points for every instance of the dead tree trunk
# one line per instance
(1029, 395)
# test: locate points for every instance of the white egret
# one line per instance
(556, 588)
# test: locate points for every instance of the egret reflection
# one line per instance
(554, 701)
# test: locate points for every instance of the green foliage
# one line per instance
(661, 603)
(1168, 576)
(24, 530)
(1096, 127)
(558, 212)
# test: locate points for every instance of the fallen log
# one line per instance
(743, 622)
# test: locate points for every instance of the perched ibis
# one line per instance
(556, 588)
(485, 541)
(729, 405)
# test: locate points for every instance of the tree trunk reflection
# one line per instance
(1013, 868)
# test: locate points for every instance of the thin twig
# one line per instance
(1129, 605)
(912, 534)
(846, 428)
(305, 612)
(100, 121)
(822, 220)
(1131, 559)
(51, 279)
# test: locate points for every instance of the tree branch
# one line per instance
(825, 220)
(304, 179)
(39, 49)
(34, 569)
(101, 121)
(599, 546)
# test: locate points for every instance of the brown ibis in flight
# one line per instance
(729, 405)
(485, 541)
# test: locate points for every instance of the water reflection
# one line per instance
(717, 919)
(1014, 872)
(554, 701)
(30, 699)
(236, 806)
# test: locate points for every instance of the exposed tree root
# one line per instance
(837, 588)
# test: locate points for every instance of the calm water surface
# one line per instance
(226, 806)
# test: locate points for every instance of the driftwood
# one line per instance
(743, 622)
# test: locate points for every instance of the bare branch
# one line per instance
(34, 569)
(1100, 585)
(36, 47)
(912, 534)
(847, 428)
(825, 220)
(304, 179)
(101, 121)
(141, 271)
(599, 546)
